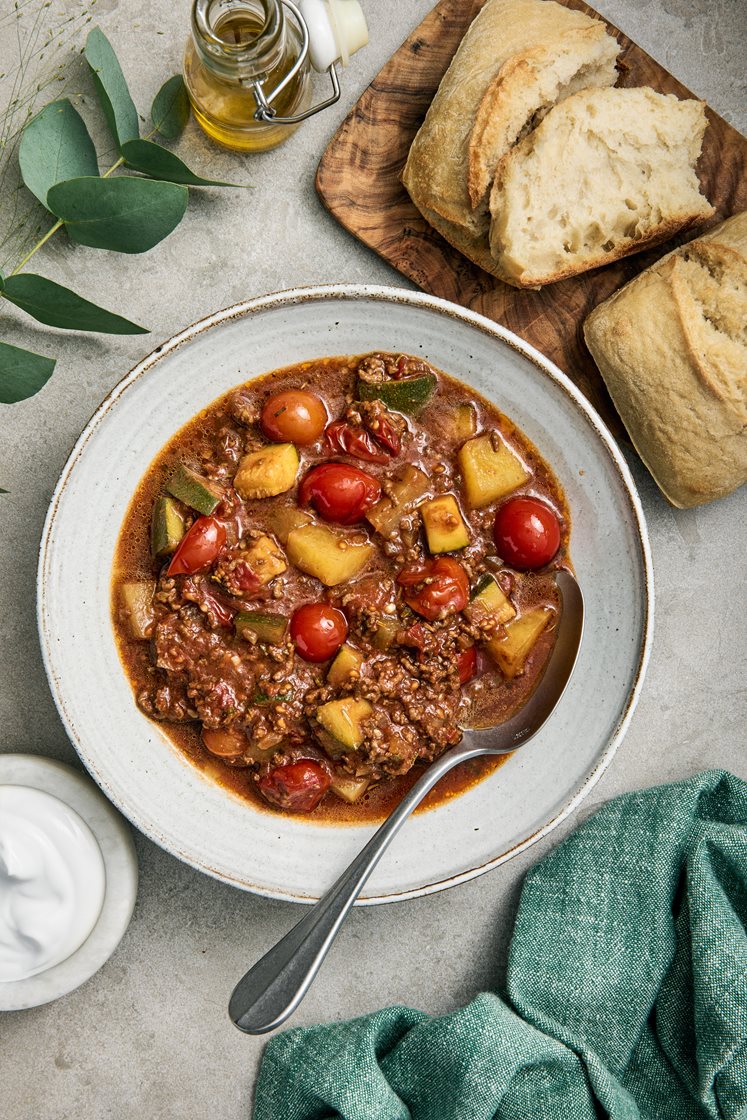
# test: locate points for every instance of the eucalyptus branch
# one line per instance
(124, 213)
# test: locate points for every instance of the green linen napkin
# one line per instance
(626, 990)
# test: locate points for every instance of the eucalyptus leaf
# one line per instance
(58, 306)
(22, 373)
(111, 86)
(55, 146)
(160, 163)
(170, 109)
(125, 214)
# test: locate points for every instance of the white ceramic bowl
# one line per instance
(151, 781)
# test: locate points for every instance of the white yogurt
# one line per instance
(52, 882)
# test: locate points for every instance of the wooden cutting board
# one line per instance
(358, 180)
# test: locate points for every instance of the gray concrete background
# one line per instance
(148, 1036)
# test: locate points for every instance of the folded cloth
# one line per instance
(626, 990)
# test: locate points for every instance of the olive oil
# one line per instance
(234, 44)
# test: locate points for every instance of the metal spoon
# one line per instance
(271, 991)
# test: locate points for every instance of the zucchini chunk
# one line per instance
(340, 724)
(330, 556)
(269, 471)
(386, 515)
(489, 472)
(386, 631)
(348, 788)
(465, 421)
(488, 601)
(408, 395)
(137, 605)
(445, 529)
(347, 662)
(284, 519)
(263, 625)
(167, 527)
(511, 649)
(266, 559)
(196, 491)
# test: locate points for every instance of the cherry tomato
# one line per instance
(350, 440)
(526, 532)
(435, 588)
(339, 493)
(298, 786)
(293, 416)
(467, 665)
(199, 549)
(318, 630)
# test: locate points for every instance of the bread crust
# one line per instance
(437, 168)
(672, 348)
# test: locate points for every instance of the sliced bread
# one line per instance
(608, 172)
(517, 58)
(672, 348)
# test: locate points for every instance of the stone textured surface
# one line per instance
(148, 1036)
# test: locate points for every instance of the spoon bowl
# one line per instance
(273, 988)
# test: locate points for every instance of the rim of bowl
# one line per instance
(385, 294)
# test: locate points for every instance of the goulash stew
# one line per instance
(332, 569)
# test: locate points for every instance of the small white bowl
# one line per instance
(114, 840)
(152, 782)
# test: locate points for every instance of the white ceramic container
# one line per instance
(151, 781)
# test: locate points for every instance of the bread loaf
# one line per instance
(608, 172)
(672, 348)
(516, 60)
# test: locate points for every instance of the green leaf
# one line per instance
(55, 146)
(170, 109)
(160, 163)
(57, 306)
(126, 214)
(119, 110)
(22, 373)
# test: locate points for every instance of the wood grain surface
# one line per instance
(358, 180)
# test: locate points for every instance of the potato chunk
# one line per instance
(269, 471)
(490, 469)
(326, 554)
(511, 649)
(266, 559)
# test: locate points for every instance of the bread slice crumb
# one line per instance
(525, 89)
(608, 172)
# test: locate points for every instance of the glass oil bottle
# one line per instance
(239, 47)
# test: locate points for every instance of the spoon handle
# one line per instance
(273, 988)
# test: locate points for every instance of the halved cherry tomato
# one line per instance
(298, 786)
(338, 492)
(293, 416)
(221, 611)
(467, 664)
(199, 549)
(415, 636)
(526, 533)
(385, 434)
(318, 630)
(350, 440)
(435, 588)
